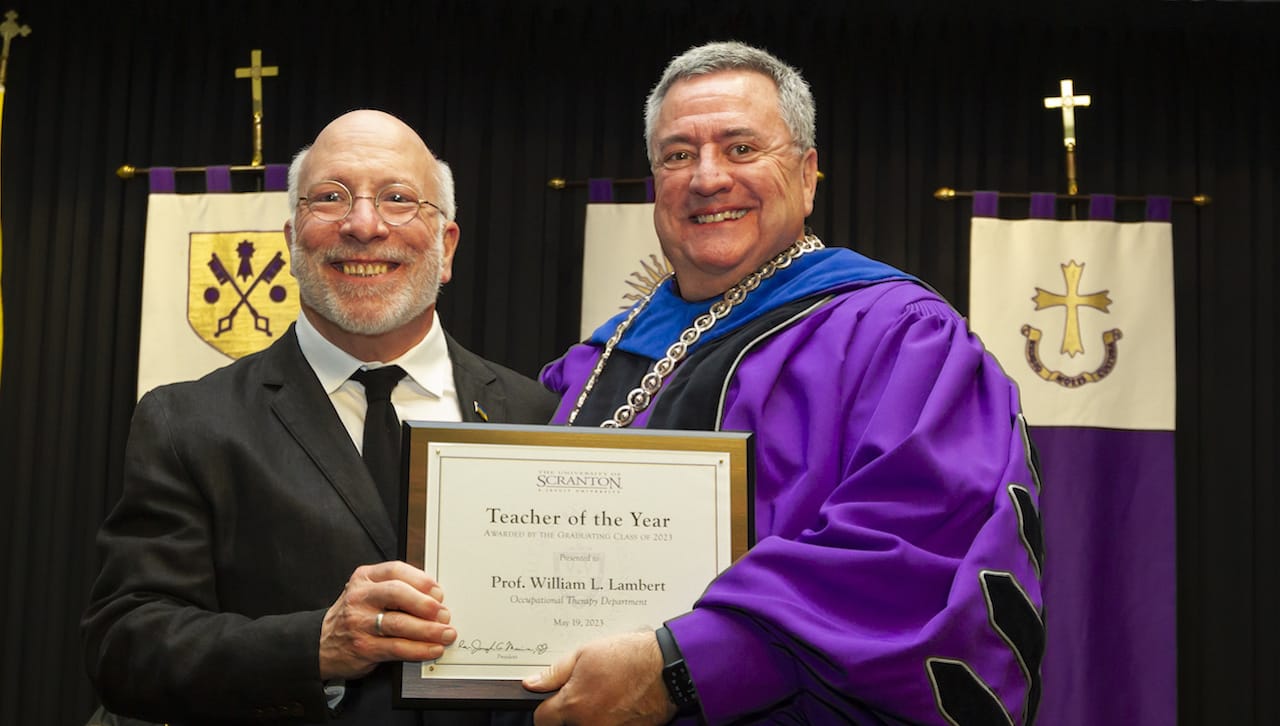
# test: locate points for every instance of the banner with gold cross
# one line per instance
(216, 280)
(1081, 315)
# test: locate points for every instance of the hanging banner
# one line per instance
(216, 282)
(1080, 314)
(621, 261)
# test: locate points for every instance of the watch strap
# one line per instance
(675, 674)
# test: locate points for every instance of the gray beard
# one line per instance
(398, 305)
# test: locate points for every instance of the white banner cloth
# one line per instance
(216, 282)
(1080, 314)
(621, 260)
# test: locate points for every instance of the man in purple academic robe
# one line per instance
(896, 574)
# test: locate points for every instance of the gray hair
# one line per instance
(443, 177)
(795, 100)
(444, 183)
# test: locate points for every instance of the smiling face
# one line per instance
(731, 188)
(367, 286)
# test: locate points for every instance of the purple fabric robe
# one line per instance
(896, 571)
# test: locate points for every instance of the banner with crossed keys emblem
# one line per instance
(216, 284)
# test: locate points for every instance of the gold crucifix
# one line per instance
(1068, 103)
(1072, 300)
(255, 73)
(10, 29)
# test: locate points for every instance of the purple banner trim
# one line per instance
(276, 177)
(217, 179)
(986, 204)
(1159, 209)
(648, 189)
(1044, 205)
(1110, 585)
(1102, 207)
(163, 180)
(599, 190)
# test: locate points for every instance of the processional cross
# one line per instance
(10, 29)
(255, 72)
(1068, 103)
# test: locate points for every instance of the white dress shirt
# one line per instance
(427, 392)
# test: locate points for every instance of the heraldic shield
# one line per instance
(240, 295)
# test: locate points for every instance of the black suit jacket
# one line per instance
(245, 509)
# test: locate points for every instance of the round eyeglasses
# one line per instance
(397, 204)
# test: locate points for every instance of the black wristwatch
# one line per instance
(675, 674)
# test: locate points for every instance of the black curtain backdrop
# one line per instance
(911, 96)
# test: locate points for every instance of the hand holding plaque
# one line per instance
(610, 680)
(353, 639)
(546, 538)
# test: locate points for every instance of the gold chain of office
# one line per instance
(641, 396)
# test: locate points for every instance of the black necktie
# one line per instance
(382, 434)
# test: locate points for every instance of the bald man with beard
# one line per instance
(249, 568)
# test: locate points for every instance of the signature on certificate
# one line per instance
(481, 645)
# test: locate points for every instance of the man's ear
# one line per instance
(449, 241)
(809, 170)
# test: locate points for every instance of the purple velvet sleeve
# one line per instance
(887, 440)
